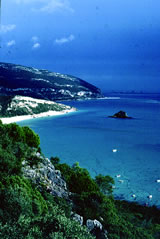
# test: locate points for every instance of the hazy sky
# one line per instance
(114, 44)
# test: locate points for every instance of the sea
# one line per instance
(126, 149)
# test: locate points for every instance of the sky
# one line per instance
(114, 44)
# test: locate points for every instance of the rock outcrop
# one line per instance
(96, 229)
(46, 176)
(121, 115)
(77, 218)
(92, 224)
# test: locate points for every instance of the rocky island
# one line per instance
(120, 115)
(44, 84)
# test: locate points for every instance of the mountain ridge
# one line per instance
(43, 84)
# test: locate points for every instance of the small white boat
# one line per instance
(121, 181)
(114, 150)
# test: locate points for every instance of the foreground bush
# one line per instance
(25, 212)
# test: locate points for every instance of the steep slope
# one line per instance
(43, 84)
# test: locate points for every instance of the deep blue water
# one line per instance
(89, 136)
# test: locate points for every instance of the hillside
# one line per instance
(42, 198)
(21, 105)
(43, 84)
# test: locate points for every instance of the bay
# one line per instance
(126, 149)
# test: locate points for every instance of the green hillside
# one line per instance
(38, 197)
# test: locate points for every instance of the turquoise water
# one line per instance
(89, 137)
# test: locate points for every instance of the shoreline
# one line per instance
(14, 119)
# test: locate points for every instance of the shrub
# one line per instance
(78, 179)
(15, 132)
(31, 138)
(53, 224)
(9, 163)
(18, 196)
(105, 183)
(55, 160)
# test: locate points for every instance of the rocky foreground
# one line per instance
(46, 176)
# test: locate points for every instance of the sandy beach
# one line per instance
(27, 117)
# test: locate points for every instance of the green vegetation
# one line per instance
(4, 102)
(28, 212)
(93, 199)
(25, 212)
(105, 183)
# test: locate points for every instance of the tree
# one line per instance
(31, 138)
(55, 160)
(105, 183)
